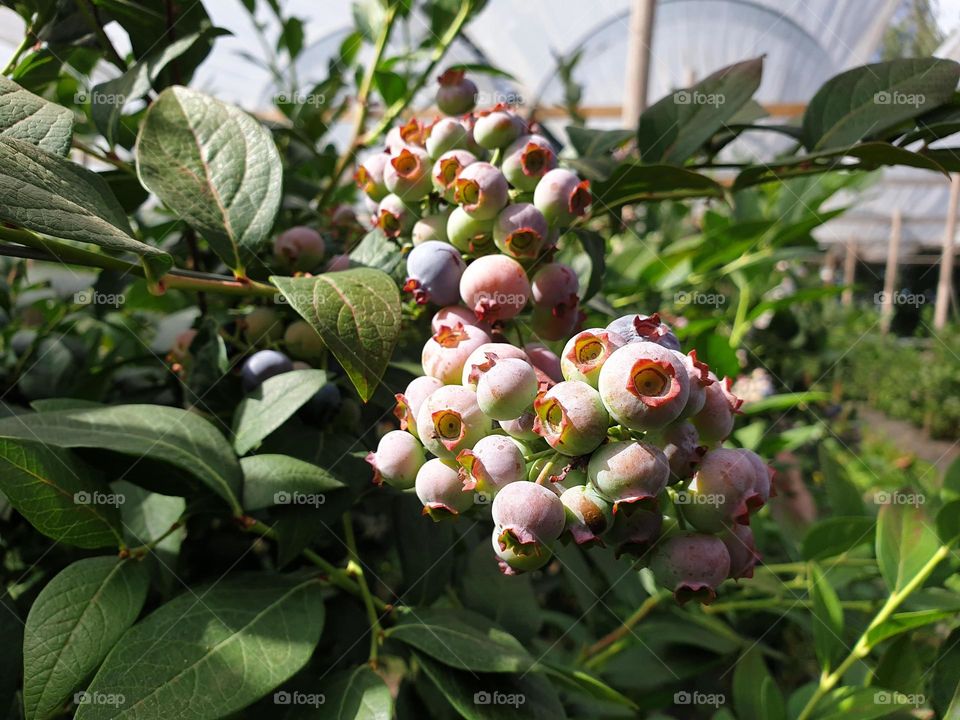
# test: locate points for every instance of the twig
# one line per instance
(355, 568)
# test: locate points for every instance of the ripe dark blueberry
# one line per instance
(262, 365)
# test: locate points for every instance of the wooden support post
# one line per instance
(849, 273)
(639, 43)
(945, 284)
(890, 276)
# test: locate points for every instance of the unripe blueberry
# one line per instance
(262, 365)
(450, 420)
(520, 230)
(681, 444)
(589, 515)
(699, 376)
(394, 216)
(714, 422)
(639, 328)
(545, 360)
(397, 460)
(507, 389)
(453, 315)
(635, 533)
(484, 358)
(469, 235)
(481, 190)
(586, 352)
(497, 128)
(718, 495)
(644, 386)
(431, 227)
(408, 174)
(762, 480)
(410, 400)
(439, 488)
(555, 284)
(527, 160)
(300, 247)
(456, 95)
(742, 550)
(445, 353)
(369, 176)
(261, 326)
(628, 472)
(433, 273)
(512, 563)
(445, 134)
(691, 565)
(522, 427)
(562, 197)
(412, 134)
(528, 515)
(495, 286)
(571, 418)
(492, 464)
(557, 322)
(446, 171)
(302, 341)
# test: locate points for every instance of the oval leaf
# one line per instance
(211, 652)
(837, 535)
(50, 195)
(58, 494)
(827, 618)
(280, 479)
(358, 694)
(179, 437)
(215, 166)
(74, 622)
(30, 118)
(463, 640)
(906, 541)
(272, 404)
(356, 312)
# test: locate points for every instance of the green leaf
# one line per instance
(58, 493)
(632, 182)
(508, 601)
(50, 195)
(211, 651)
(906, 540)
(945, 686)
(425, 555)
(356, 312)
(588, 685)
(11, 661)
(179, 437)
(283, 480)
(215, 166)
(30, 118)
(272, 404)
(675, 127)
(784, 401)
(843, 495)
(753, 698)
(948, 522)
(146, 517)
(461, 639)
(590, 142)
(495, 696)
(74, 622)
(108, 98)
(867, 100)
(861, 703)
(827, 618)
(358, 694)
(292, 36)
(595, 250)
(377, 251)
(390, 85)
(837, 535)
(906, 621)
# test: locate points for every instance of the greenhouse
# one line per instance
(405, 359)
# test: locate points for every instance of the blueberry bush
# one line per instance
(460, 437)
